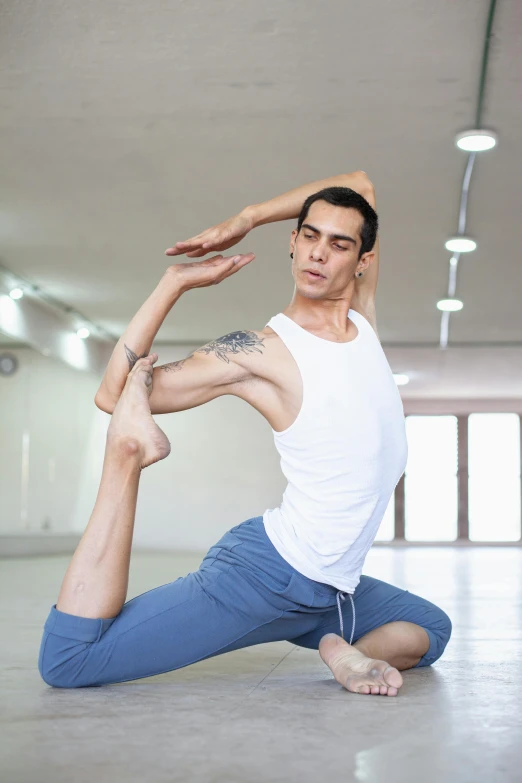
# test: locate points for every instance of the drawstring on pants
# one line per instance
(342, 597)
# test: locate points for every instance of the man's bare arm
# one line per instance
(215, 369)
(288, 205)
(138, 337)
(365, 289)
(137, 340)
(284, 207)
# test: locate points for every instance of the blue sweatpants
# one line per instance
(243, 593)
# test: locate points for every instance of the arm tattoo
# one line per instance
(132, 358)
(174, 366)
(235, 342)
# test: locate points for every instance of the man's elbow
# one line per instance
(366, 184)
(105, 405)
(365, 187)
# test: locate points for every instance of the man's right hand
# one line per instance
(219, 237)
(200, 274)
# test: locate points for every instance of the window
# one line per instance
(438, 500)
(494, 476)
(430, 485)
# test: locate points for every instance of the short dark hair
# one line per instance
(348, 198)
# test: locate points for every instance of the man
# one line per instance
(318, 374)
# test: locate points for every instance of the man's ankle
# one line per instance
(124, 450)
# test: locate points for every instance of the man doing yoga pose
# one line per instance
(319, 376)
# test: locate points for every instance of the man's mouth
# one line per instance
(315, 275)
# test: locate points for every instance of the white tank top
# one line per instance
(342, 456)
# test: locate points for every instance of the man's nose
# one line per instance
(318, 253)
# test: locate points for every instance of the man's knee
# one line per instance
(60, 661)
(71, 652)
(439, 629)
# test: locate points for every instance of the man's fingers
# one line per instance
(181, 247)
(195, 245)
(196, 253)
(243, 260)
(184, 250)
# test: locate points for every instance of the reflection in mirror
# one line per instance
(51, 443)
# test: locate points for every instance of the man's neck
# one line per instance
(328, 316)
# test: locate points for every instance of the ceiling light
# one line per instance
(400, 379)
(450, 305)
(476, 140)
(16, 293)
(83, 333)
(461, 244)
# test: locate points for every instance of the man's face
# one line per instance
(328, 243)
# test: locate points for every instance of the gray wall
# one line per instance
(223, 467)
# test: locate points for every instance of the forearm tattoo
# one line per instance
(174, 366)
(235, 342)
(132, 358)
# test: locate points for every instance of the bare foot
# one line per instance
(132, 430)
(355, 672)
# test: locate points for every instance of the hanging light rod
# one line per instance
(454, 261)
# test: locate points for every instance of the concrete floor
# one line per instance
(274, 712)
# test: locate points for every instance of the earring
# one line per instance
(291, 255)
(358, 274)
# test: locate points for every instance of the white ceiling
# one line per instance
(127, 126)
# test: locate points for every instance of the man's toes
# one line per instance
(375, 690)
(392, 677)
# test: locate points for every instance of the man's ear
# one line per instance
(365, 260)
(293, 237)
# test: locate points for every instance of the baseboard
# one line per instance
(38, 544)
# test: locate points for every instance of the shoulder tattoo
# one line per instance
(234, 342)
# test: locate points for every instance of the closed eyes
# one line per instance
(310, 236)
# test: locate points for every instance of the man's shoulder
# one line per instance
(367, 310)
(234, 344)
(270, 379)
(253, 349)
